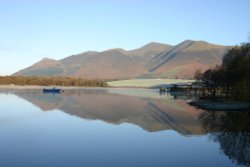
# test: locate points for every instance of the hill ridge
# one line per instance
(153, 60)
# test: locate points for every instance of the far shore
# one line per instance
(221, 105)
(130, 90)
(146, 83)
(41, 87)
(133, 83)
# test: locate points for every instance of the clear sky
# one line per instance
(33, 29)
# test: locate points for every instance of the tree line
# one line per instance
(232, 78)
(50, 81)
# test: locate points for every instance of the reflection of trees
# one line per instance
(232, 131)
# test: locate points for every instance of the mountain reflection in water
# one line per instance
(152, 112)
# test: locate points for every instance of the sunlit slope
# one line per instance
(153, 60)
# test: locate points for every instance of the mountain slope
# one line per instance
(185, 58)
(147, 52)
(110, 64)
(75, 62)
(153, 60)
(45, 67)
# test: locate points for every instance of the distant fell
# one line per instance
(182, 60)
(45, 67)
(153, 60)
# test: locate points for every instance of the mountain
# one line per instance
(147, 52)
(110, 64)
(47, 67)
(185, 58)
(154, 60)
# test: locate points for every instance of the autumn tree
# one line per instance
(198, 74)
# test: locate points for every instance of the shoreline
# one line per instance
(37, 87)
(11, 87)
(201, 104)
(221, 105)
(133, 83)
(147, 83)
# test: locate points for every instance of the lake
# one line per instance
(118, 127)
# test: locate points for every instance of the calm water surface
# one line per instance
(117, 127)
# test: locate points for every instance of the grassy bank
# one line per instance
(146, 83)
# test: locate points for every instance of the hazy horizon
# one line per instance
(34, 30)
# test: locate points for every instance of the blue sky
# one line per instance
(33, 29)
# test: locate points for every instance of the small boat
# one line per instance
(52, 90)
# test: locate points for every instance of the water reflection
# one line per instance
(231, 131)
(145, 108)
(152, 112)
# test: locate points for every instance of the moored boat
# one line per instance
(52, 90)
